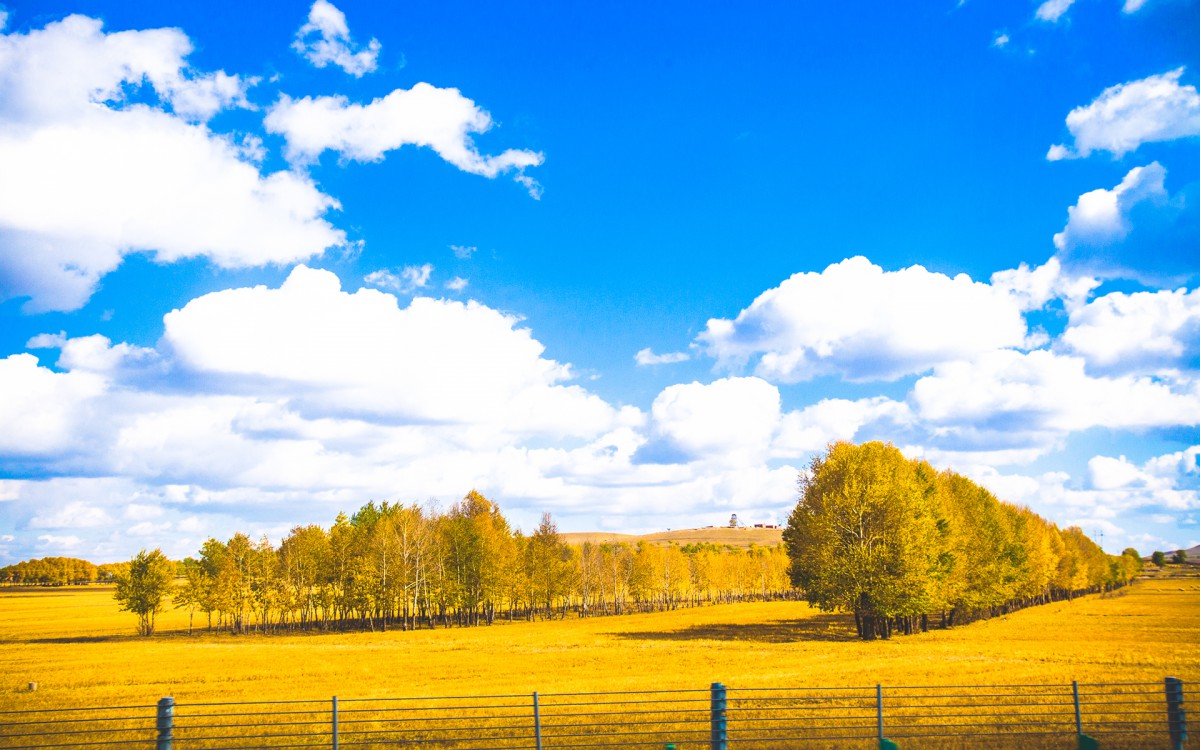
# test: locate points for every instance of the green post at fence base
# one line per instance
(886, 744)
(718, 726)
(335, 724)
(1176, 715)
(165, 723)
(1088, 743)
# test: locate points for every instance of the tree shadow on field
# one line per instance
(79, 639)
(825, 627)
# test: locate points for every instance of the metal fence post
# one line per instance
(879, 710)
(1079, 718)
(165, 723)
(335, 724)
(1082, 741)
(719, 729)
(1176, 717)
(537, 722)
(884, 742)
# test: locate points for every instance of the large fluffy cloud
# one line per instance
(863, 323)
(1135, 230)
(433, 361)
(810, 429)
(1125, 116)
(1113, 490)
(1017, 392)
(732, 420)
(436, 118)
(87, 177)
(1101, 216)
(1141, 332)
(41, 409)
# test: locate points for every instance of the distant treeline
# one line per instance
(405, 566)
(58, 571)
(896, 542)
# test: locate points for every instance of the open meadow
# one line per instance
(82, 651)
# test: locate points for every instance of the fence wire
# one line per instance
(1118, 715)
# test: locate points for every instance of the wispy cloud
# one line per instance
(408, 279)
(438, 118)
(325, 40)
(1052, 10)
(648, 357)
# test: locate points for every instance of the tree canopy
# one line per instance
(143, 589)
(892, 540)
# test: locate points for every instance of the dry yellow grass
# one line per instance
(740, 538)
(82, 652)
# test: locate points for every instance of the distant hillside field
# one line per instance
(720, 535)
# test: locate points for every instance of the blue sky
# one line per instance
(633, 265)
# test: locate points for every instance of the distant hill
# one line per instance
(720, 535)
(1193, 555)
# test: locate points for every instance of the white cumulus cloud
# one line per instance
(856, 320)
(436, 118)
(1113, 233)
(87, 177)
(1127, 115)
(72, 515)
(810, 429)
(42, 410)
(1101, 217)
(1142, 331)
(1017, 392)
(433, 360)
(728, 421)
(59, 542)
(325, 39)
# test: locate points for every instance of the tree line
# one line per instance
(58, 571)
(896, 542)
(405, 566)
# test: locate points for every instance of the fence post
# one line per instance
(537, 722)
(1079, 718)
(335, 724)
(1176, 717)
(884, 742)
(719, 734)
(1083, 742)
(165, 723)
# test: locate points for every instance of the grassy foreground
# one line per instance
(82, 652)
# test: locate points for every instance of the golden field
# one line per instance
(82, 651)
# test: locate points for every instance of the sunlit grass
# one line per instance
(82, 652)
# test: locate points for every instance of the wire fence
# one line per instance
(1109, 715)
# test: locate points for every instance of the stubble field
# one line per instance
(82, 651)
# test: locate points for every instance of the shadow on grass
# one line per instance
(815, 628)
(110, 638)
